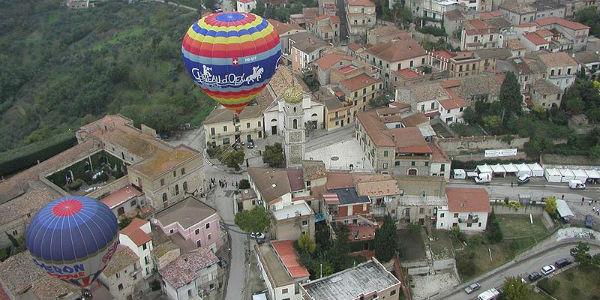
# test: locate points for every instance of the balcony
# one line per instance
(469, 220)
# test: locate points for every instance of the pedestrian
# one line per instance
(562, 197)
(593, 208)
(590, 202)
(512, 184)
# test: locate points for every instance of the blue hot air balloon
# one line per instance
(73, 239)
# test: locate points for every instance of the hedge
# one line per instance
(24, 157)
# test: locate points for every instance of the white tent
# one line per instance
(524, 169)
(498, 169)
(563, 210)
(536, 170)
(580, 175)
(459, 174)
(566, 175)
(552, 175)
(592, 174)
(510, 168)
(484, 169)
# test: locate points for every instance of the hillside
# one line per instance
(62, 68)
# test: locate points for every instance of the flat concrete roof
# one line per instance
(365, 278)
(275, 269)
(300, 208)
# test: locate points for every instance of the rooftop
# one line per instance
(408, 73)
(351, 283)
(453, 103)
(562, 22)
(545, 87)
(587, 57)
(468, 199)
(359, 82)
(348, 196)
(270, 183)
(313, 169)
(121, 196)
(497, 53)
(289, 258)
(339, 179)
(135, 233)
(330, 59)
(361, 3)
(307, 42)
(378, 188)
(557, 59)
(223, 115)
(283, 28)
(186, 268)
(397, 50)
(296, 209)
(514, 44)
(294, 94)
(276, 271)
(422, 185)
(425, 92)
(535, 39)
(123, 258)
(187, 213)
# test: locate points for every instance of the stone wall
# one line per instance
(501, 209)
(476, 144)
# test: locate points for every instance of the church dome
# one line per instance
(293, 95)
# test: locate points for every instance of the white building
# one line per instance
(313, 115)
(122, 274)
(467, 209)
(137, 237)
(280, 268)
(193, 275)
(246, 5)
(451, 110)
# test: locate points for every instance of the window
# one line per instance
(432, 105)
(479, 224)
(174, 173)
(441, 215)
(225, 128)
(133, 203)
(197, 231)
(207, 225)
(491, 36)
(569, 71)
(164, 197)
(211, 286)
(421, 210)
(284, 291)
(209, 236)
(385, 165)
(559, 71)
(144, 246)
(456, 215)
(385, 153)
(469, 224)
(426, 163)
(225, 141)
(393, 292)
(397, 163)
(411, 63)
(247, 125)
(258, 123)
(551, 72)
(295, 124)
(212, 131)
(120, 286)
(177, 189)
(304, 223)
(182, 171)
(117, 274)
(413, 163)
(162, 181)
(185, 187)
(146, 260)
(443, 167)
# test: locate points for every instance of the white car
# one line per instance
(546, 270)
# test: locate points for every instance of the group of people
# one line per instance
(222, 183)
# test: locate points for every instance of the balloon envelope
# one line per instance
(231, 56)
(73, 239)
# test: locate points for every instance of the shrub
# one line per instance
(465, 265)
(548, 285)
(244, 184)
(75, 185)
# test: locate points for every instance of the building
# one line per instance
(124, 201)
(359, 90)
(589, 62)
(325, 64)
(393, 56)
(467, 209)
(360, 15)
(419, 200)
(489, 57)
(137, 236)
(576, 33)
(368, 280)
(191, 276)
(293, 128)
(313, 115)
(519, 12)
(536, 41)
(305, 48)
(451, 110)
(80, 4)
(325, 27)
(464, 64)
(221, 128)
(545, 94)
(245, 200)
(285, 30)
(432, 11)
(122, 274)
(560, 68)
(327, 7)
(573, 6)
(292, 221)
(193, 221)
(280, 269)
(337, 111)
(380, 188)
(246, 6)
(480, 34)
(386, 33)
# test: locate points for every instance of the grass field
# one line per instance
(410, 244)
(577, 283)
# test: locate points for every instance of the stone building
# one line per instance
(293, 129)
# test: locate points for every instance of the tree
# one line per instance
(255, 220)
(510, 97)
(581, 254)
(273, 156)
(573, 101)
(550, 206)
(515, 289)
(338, 253)
(385, 244)
(306, 243)
(233, 159)
(595, 152)
(244, 184)
(322, 236)
(493, 230)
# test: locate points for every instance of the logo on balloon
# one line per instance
(207, 78)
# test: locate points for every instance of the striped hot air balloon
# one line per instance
(73, 239)
(231, 56)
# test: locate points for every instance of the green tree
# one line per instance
(306, 243)
(595, 152)
(244, 184)
(340, 249)
(573, 101)
(273, 156)
(515, 289)
(385, 245)
(550, 206)
(581, 254)
(255, 220)
(589, 16)
(322, 237)
(234, 158)
(493, 231)
(510, 97)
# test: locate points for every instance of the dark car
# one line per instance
(561, 263)
(534, 276)
(589, 222)
(472, 287)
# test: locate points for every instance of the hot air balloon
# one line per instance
(231, 56)
(73, 239)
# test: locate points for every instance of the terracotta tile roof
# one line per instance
(453, 103)
(414, 119)
(187, 213)
(545, 87)
(359, 82)
(245, 1)
(562, 22)
(378, 188)
(37, 195)
(477, 26)
(409, 140)
(331, 59)
(490, 14)
(544, 33)
(289, 258)
(375, 129)
(425, 92)
(270, 183)
(121, 196)
(454, 15)
(361, 3)
(223, 115)
(123, 258)
(514, 44)
(355, 46)
(338, 180)
(314, 169)
(408, 74)
(497, 53)
(283, 28)
(468, 199)
(397, 50)
(186, 268)
(438, 155)
(557, 59)
(135, 233)
(389, 32)
(362, 232)
(442, 54)
(296, 179)
(535, 39)
(526, 25)
(307, 42)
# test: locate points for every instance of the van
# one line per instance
(490, 294)
(576, 185)
(561, 263)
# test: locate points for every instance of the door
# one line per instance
(412, 172)
(120, 211)
(274, 129)
(249, 138)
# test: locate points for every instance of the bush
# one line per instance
(437, 31)
(465, 265)
(573, 291)
(75, 185)
(244, 184)
(548, 285)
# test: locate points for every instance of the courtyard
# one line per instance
(344, 155)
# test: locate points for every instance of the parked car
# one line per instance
(472, 287)
(490, 294)
(561, 263)
(547, 270)
(250, 145)
(576, 185)
(523, 179)
(589, 222)
(534, 276)
(258, 236)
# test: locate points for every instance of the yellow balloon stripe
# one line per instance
(202, 23)
(230, 40)
(230, 101)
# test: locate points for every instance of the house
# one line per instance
(589, 62)
(285, 30)
(467, 209)
(122, 275)
(191, 276)
(360, 17)
(124, 201)
(192, 221)
(545, 94)
(222, 129)
(451, 110)
(80, 4)
(576, 33)
(560, 68)
(280, 269)
(519, 12)
(536, 41)
(483, 87)
(464, 64)
(293, 220)
(246, 6)
(337, 110)
(164, 253)
(329, 61)
(359, 90)
(325, 27)
(480, 34)
(424, 97)
(245, 200)
(315, 178)
(308, 14)
(137, 236)
(393, 56)
(381, 190)
(516, 48)
(386, 33)
(368, 280)
(420, 197)
(453, 21)
(489, 57)
(305, 48)
(327, 7)
(430, 10)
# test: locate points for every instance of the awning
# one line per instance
(593, 174)
(510, 168)
(563, 209)
(484, 169)
(498, 169)
(331, 199)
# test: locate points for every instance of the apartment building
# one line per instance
(467, 209)
(325, 27)
(560, 68)
(361, 16)
(305, 48)
(281, 270)
(137, 236)
(576, 33)
(395, 55)
(464, 64)
(480, 34)
(221, 128)
(359, 90)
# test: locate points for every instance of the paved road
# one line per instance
(521, 269)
